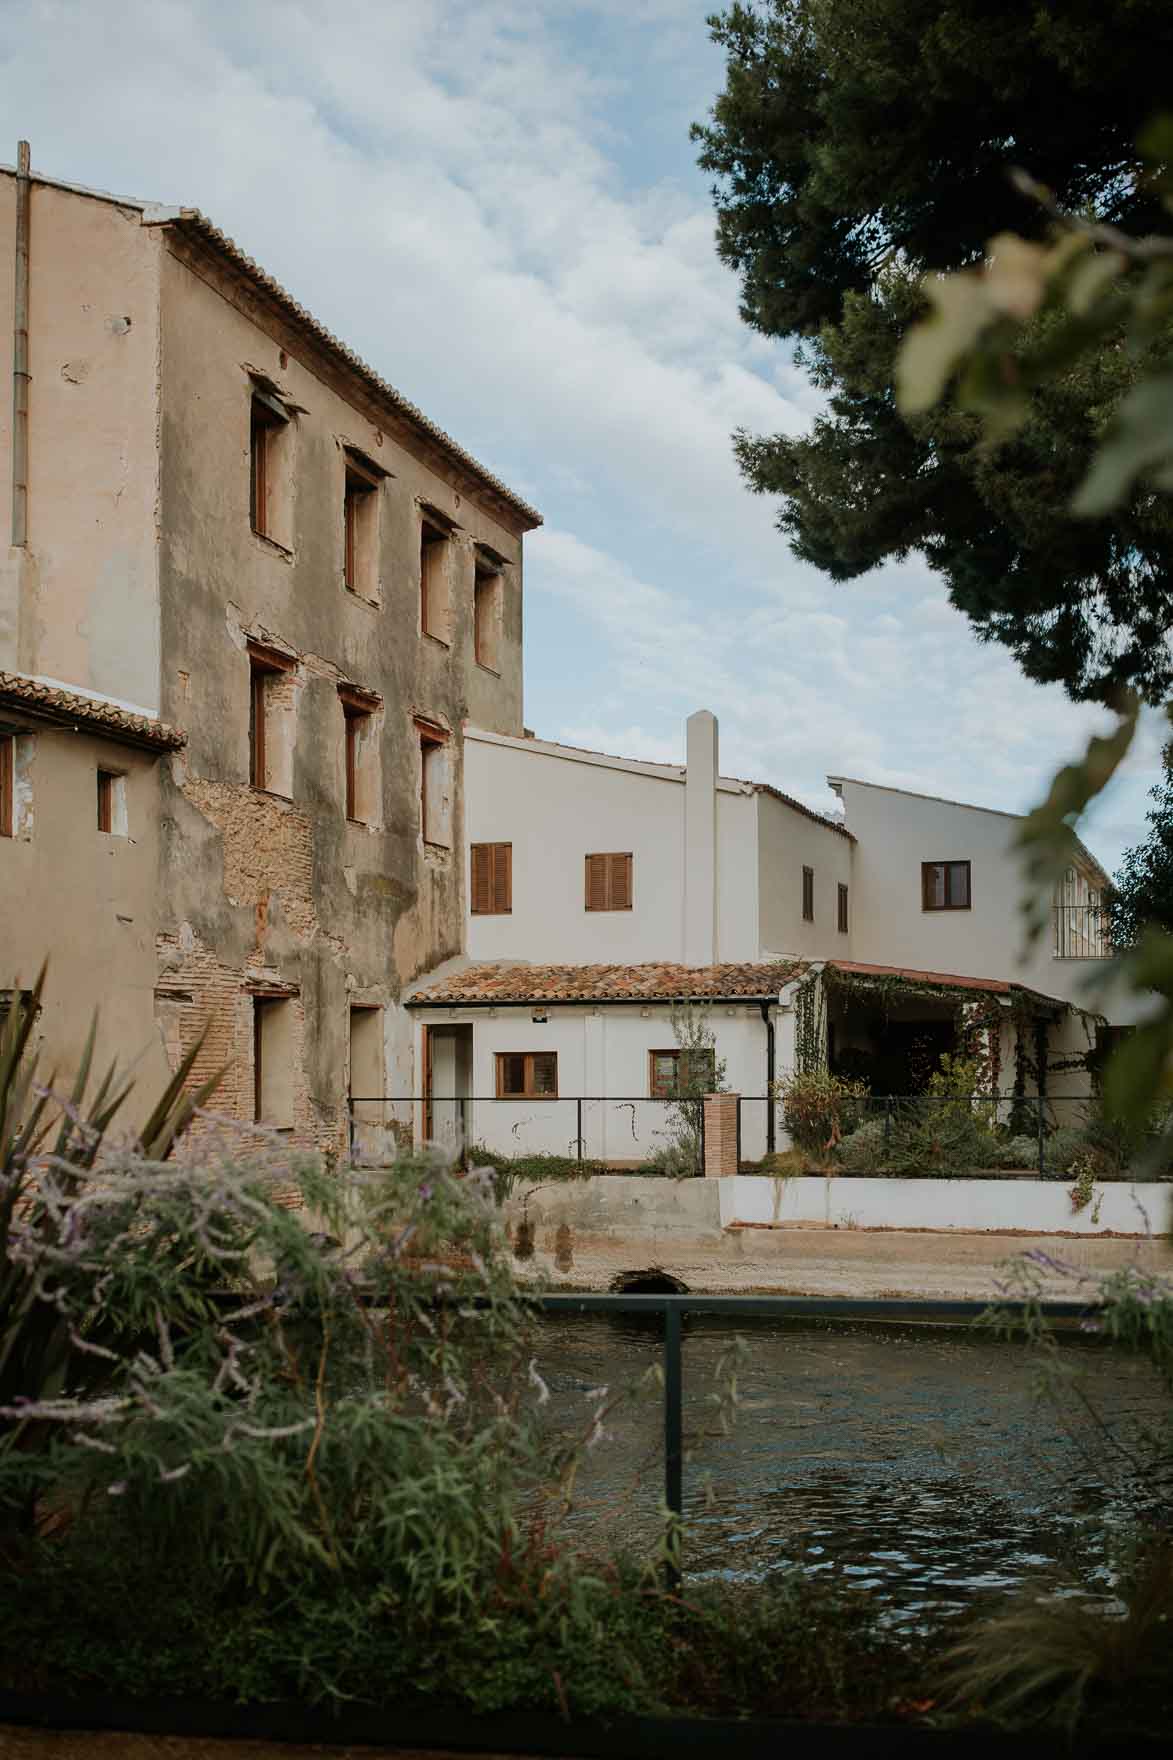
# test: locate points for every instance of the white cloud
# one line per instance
(496, 204)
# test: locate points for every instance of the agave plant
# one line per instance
(39, 1128)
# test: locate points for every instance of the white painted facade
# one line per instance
(603, 1061)
(718, 865)
(717, 868)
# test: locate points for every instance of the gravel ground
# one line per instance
(868, 1264)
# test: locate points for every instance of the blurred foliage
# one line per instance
(997, 336)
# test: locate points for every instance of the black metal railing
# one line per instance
(1082, 931)
(674, 1307)
(566, 1124)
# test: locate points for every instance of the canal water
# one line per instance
(912, 1461)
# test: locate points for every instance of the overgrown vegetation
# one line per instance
(699, 1071)
(1071, 1648)
(511, 1171)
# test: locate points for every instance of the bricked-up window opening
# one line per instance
(360, 519)
(945, 886)
(361, 754)
(270, 757)
(268, 427)
(435, 785)
(808, 895)
(671, 1073)
(842, 909)
(488, 596)
(527, 1075)
(492, 879)
(7, 785)
(366, 1052)
(608, 882)
(435, 546)
(273, 1061)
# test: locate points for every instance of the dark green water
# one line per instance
(912, 1461)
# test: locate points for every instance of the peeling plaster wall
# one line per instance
(272, 895)
(81, 604)
(98, 934)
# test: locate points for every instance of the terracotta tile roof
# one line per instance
(191, 220)
(788, 800)
(999, 986)
(953, 981)
(70, 708)
(651, 983)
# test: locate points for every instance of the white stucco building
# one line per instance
(603, 890)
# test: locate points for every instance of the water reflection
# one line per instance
(912, 1461)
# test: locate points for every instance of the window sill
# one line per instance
(271, 794)
(272, 546)
(493, 671)
(476, 913)
(608, 910)
(372, 604)
(437, 849)
(938, 910)
(440, 641)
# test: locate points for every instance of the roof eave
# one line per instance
(196, 227)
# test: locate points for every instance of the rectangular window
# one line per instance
(270, 753)
(366, 1057)
(112, 803)
(7, 785)
(360, 520)
(268, 424)
(808, 895)
(360, 754)
(527, 1075)
(492, 879)
(671, 1073)
(945, 886)
(488, 596)
(435, 785)
(105, 801)
(273, 1061)
(842, 909)
(434, 557)
(608, 882)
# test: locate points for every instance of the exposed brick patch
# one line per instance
(268, 852)
(720, 1135)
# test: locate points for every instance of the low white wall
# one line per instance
(1036, 1206)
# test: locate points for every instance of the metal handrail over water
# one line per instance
(674, 1307)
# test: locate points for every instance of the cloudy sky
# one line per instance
(496, 203)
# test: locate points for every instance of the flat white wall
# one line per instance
(602, 1055)
(978, 1205)
(895, 833)
(738, 899)
(555, 811)
(787, 842)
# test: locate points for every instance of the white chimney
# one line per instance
(700, 840)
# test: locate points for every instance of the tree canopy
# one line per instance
(855, 147)
(1142, 892)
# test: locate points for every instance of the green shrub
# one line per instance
(820, 1108)
(510, 1171)
(865, 1149)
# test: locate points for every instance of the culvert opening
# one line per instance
(652, 1281)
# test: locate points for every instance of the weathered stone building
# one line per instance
(251, 596)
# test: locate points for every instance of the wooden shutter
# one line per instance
(502, 879)
(7, 785)
(481, 886)
(620, 882)
(492, 879)
(608, 882)
(596, 883)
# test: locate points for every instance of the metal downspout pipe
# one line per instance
(20, 357)
(767, 1017)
